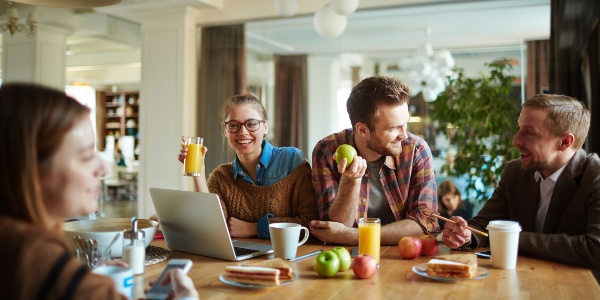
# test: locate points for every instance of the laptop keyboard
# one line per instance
(239, 251)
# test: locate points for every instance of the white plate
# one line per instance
(247, 285)
(422, 270)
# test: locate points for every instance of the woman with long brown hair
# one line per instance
(50, 171)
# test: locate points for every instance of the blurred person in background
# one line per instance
(450, 202)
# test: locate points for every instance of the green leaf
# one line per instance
(484, 117)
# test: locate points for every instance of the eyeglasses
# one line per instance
(234, 126)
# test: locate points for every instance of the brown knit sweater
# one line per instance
(37, 264)
(291, 200)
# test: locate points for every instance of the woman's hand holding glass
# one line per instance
(199, 181)
(184, 150)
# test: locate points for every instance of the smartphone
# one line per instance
(161, 292)
(353, 251)
(484, 254)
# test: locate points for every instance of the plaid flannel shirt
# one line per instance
(408, 180)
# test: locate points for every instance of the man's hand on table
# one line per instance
(334, 232)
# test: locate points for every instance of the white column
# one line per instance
(168, 99)
(323, 84)
(40, 58)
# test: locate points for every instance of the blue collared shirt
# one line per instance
(275, 163)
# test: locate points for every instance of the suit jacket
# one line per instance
(571, 232)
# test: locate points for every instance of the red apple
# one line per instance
(364, 266)
(409, 247)
(430, 245)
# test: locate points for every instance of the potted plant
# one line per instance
(479, 118)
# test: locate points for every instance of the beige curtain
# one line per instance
(538, 64)
(291, 91)
(222, 74)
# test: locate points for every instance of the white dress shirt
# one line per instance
(546, 189)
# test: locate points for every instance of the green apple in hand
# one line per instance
(327, 264)
(345, 151)
(344, 257)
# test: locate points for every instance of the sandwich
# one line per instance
(252, 275)
(453, 266)
(266, 272)
(285, 271)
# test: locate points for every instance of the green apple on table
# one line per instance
(327, 264)
(344, 257)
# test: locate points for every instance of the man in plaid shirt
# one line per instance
(391, 177)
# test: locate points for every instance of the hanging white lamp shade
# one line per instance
(286, 8)
(70, 3)
(328, 23)
(344, 7)
(429, 95)
(426, 50)
(414, 81)
(422, 65)
(444, 60)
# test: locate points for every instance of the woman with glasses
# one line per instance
(264, 184)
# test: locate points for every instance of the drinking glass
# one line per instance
(193, 160)
(93, 256)
(369, 237)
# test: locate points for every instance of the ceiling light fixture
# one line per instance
(344, 7)
(13, 26)
(71, 3)
(428, 71)
(286, 8)
(328, 23)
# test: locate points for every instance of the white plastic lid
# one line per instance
(504, 225)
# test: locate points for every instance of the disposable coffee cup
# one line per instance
(504, 243)
(284, 239)
(123, 278)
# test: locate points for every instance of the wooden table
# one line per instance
(532, 279)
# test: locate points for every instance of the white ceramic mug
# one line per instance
(504, 243)
(123, 278)
(284, 239)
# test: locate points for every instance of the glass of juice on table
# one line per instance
(193, 160)
(369, 237)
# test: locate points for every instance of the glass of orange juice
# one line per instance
(193, 160)
(369, 237)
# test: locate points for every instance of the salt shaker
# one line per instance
(134, 249)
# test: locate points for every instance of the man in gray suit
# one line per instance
(553, 190)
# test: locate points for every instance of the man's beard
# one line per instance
(376, 145)
(536, 166)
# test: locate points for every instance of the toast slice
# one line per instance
(453, 266)
(285, 271)
(252, 275)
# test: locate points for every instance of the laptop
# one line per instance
(193, 222)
